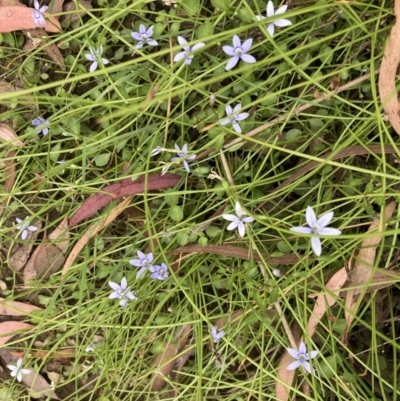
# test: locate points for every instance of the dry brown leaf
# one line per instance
(45, 260)
(8, 134)
(285, 378)
(388, 72)
(166, 360)
(60, 236)
(9, 173)
(363, 270)
(10, 329)
(38, 386)
(326, 299)
(15, 308)
(26, 100)
(56, 6)
(17, 18)
(38, 37)
(21, 251)
(74, 17)
(92, 231)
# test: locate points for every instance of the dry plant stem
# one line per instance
(285, 325)
(226, 168)
(92, 231)
(299, 109)
(171, 57)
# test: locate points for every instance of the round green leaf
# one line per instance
(176, 213)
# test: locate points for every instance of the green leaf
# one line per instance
(205, 30)
(191, 7)
(293, 134)
(222, 5)
(176, 213)
(284, 247)
(203, 241)
(213, 231)
(182, 238)
(102, 159)
(245, 14)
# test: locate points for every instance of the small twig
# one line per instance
(226, 168)
(299, 109)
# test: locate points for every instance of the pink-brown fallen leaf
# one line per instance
(363, 270)
(9, 135)
(388, 73)
(17, 18)
(15, 308)
(284, 382)
(125, 187)
(10, 329)
(326, 299)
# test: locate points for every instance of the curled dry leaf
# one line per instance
(388, 73)
(15, 308)
(17, 18)
(10, 329)
(363, 270)
(125, 187)
(8, 134)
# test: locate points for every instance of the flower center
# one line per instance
(316, 229)
(161, 272)
(181, 154)
(302, 358)
(144, 36)
(145, 262)
(37, 14)
(238, 50)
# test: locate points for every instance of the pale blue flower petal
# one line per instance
(282, 23)
(293, 365)
(236, 41)
(316, 245)
(301, 230)
(271, 29)
(324, 220)
(248, 59)
(329, 231)
(247, 45)
(311, 217)
(180, 56)
(229, 50)
(270, 9)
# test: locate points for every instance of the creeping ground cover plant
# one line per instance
(199, 200)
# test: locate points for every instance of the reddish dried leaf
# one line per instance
(125, 187)
(236, 252)
(15, 308)
(10, 329)
(17, 18)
